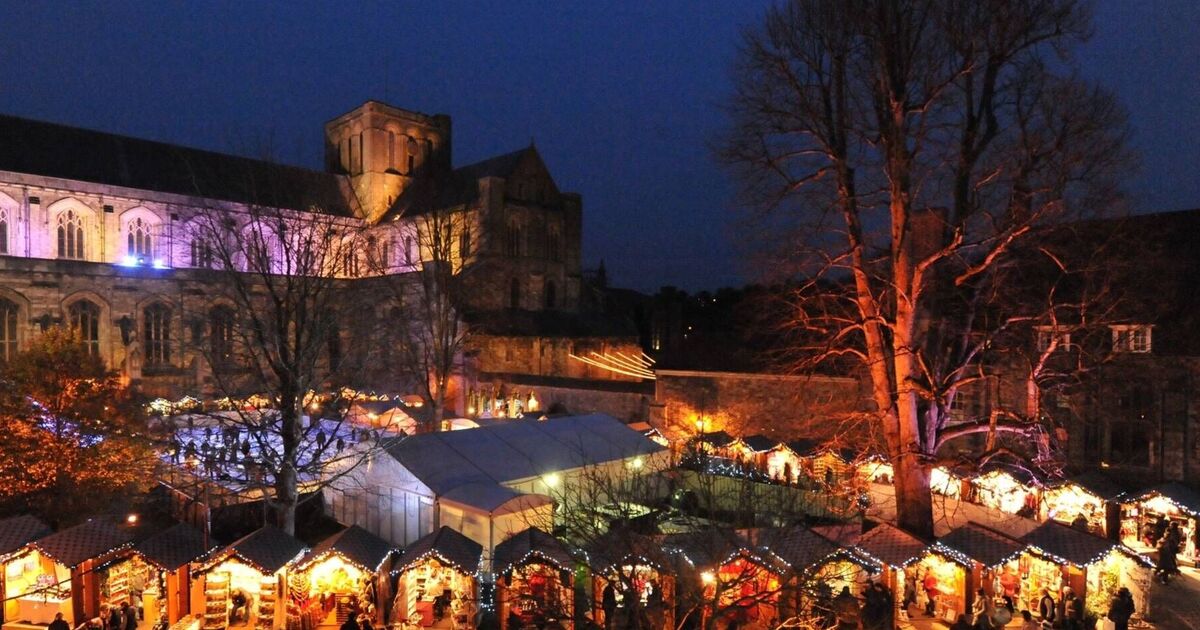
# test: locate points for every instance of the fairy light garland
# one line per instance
(329, 553)
(436, 555)
(530, 556)
(1155, 494)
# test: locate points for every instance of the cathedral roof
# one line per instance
(52, 150)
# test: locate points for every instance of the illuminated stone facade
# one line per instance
(94, 232)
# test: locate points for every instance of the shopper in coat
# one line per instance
(1121, 609)
(1047, 607)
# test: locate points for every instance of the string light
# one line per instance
(528, 558)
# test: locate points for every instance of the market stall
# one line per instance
(58, 573)
(154, 576)
(344, 575)
(992, 560)
(945, 482)
(830, 466)
(437, 578)
(1146, 515)
(940, 579)
(534, 586)
(783, 463)
(1009, 490)
(1057, 556)
(894, 550)
(815, 559)
(240, 586)
(1090, 500)
(638, 574)
(876, 469)
(15, 533)
(754, 449)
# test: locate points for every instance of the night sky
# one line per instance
(622, 98)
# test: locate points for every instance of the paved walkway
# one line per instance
(1176, 606)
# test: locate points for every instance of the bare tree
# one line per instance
(270, 335)
(427, 328)
(924, 147)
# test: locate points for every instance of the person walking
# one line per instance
(129, 620)
(59, 623)
(845, 606)
(1167, 563)
(1072, 610)
(1047, 607)
(608, 603)
(981, 611)
(930, 584)
(1121, 609)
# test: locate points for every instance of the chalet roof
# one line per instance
(705, 548)
(985, 546)
(268, 549)
(472, 466)
(445, 544)
(802, 548)
(532, 541)
(1096, 483)
(86, 541)
(760, 443)
(1070, 544)
(18, 531)
(892, 545)
(355, 544)
(1183, 497)
(48, 149)
(619, 546)
(716, 439)
(173, 547)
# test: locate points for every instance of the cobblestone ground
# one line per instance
(1176, 606)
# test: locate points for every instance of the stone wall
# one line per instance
(779, 406)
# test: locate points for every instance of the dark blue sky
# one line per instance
(622, 97)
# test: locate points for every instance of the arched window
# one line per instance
(8, 329)
(70, 235)
(408, 250)
(138, 239)
(410, 151)
(514, 294)
(85, 321)
(514, 239)
(3, 231)
(156, 320)
(551, 295)
(258, 254)
(220, 337)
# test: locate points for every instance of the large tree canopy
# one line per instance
(916, 151)
(75, 438)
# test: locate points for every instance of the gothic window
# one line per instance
(410, 151)
(3, 231)
(220, 336)
(551, 295)
(258, 255)
(514, 239)
(156, 320)
(408, 246)
(138, 239)
(514, 294)
(392, 150)
(70, 235)
(385, 253)
(350, 262)
(8, 329)
(202, 254)
(85, 321)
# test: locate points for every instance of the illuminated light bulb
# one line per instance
(132, 519)
(708, 578)
(129, 261)
(552, 480)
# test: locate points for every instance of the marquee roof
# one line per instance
(471, 466)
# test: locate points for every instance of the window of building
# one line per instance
(350, 262)
(3, 231)
(1046, 334)
(392, 150)
(553, 245)
(138, 239)
(8, 329)
(464, 242)
(1129, 443)
(85, 321)
(514, 294)
(202, 254)
(514, 239)
(258, 255)
(70, 235)
(221, 336)
(156, 320)
(410, 151)
(965, 405)
(1131, 338)
(551, 295)
(408, 253)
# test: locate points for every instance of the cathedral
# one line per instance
(96, 234)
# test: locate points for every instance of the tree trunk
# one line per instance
(287, 495)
